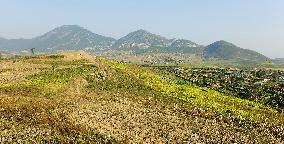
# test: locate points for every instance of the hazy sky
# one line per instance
(251, 24)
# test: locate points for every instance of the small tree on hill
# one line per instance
(33, 51)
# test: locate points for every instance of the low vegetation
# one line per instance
(260, 85)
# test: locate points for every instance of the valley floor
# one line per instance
(76, 98)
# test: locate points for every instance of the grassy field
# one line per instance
(76, 98)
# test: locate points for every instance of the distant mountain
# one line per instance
(67, 37)
(2, 39)
(14, 44)
(228, 51)
(141, 39)
(72, 37)
(185, 46)
(279, 61)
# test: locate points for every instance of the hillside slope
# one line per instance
(228, 51)
(90, 99)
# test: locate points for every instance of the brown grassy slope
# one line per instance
(107, 105)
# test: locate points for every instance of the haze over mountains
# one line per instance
(73, 37)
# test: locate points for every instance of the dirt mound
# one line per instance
(77, 55)
(4, 54)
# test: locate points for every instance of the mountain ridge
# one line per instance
(185, 46)
(74, 37)
(66, 37)
(141, 39)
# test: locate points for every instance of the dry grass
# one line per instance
(11, 72)
(106, 105)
